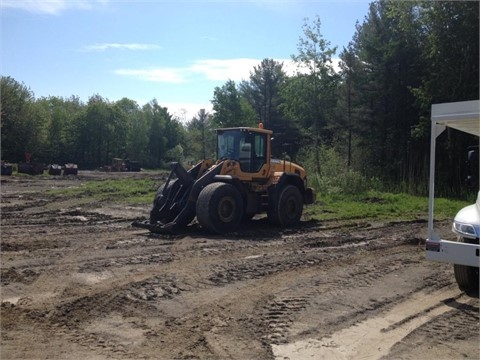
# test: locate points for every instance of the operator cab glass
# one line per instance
(247, 147)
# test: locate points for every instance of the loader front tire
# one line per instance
(219, 208)
(159, 200)
(289, 209)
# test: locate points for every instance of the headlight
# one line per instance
(468, 230)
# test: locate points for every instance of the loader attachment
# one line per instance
(174, 203)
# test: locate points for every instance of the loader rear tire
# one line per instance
(289, 209)
(466, 276)
(219, 208)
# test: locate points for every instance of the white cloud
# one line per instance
(132, 46)
(52, 7)
(207, 69)
(211, 70)
(186, 111)
(222, 70)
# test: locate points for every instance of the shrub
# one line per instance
(334, 176)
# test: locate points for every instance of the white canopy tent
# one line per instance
(463, 116)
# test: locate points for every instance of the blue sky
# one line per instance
(175, 51)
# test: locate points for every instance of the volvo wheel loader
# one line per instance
(244, 181)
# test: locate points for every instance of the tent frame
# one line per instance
(463, 116)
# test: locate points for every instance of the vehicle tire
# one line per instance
(219, 208)
(159, 201)
(466, 276)
(289, 209)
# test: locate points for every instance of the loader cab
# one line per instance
(248, 146)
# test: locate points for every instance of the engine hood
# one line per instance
(287, 166)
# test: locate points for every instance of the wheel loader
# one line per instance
(244, 180)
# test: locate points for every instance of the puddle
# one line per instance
(12, 300)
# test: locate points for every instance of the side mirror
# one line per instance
(471, 180)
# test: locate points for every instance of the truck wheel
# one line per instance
(466, 276)
(289, 209)
(219, 208)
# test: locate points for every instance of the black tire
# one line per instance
(289, 209)
(219, 208)
(466, 276)
(159, 201)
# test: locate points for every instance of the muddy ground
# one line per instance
(78, 282)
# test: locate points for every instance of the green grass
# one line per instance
(132, 191)
(382, 206)
(371, 205)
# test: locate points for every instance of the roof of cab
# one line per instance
(245, 128)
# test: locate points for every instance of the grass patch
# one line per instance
(132, 191)
(370, 205)
(374, 205)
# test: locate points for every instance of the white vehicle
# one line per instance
(463, 253)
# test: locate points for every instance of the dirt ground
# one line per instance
(78, 282)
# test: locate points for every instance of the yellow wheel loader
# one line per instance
(244, 181)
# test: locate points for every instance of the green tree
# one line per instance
(414, 54)
(137, 130)
(74, 107)
(90, 128)
(349, 107)
(157, 142)
(310, 98)
(450, 47)
(59, 115)
(22, 129)
(231, 109)
(101, 133)
(262, 90)
(389, 44)
(175, 135)
(200, 136)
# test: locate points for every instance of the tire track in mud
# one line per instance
(130, 297)
(375, 336)
(73, 316)
(329, 285)
(276, 317)
(460, 322)
(300, 248)
(280, 313)
(310, 252)
(87, 320)
(146, 291)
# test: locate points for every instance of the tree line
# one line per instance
(371, 117)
